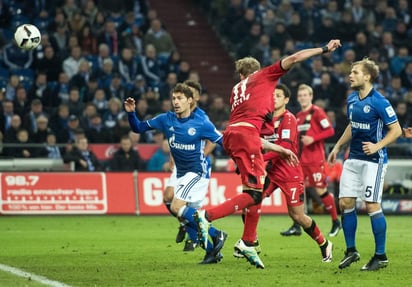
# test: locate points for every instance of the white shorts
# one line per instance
(192, 188)
(362, 179)
(172, 179)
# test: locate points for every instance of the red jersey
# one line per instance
(252, 101)
(314, 123)
(285, 135)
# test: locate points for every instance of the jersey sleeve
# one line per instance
(386, 112)
(326, 127)
(211, 133)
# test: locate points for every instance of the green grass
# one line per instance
(140, 251)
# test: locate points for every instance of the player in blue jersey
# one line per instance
(373, 125)
(191, 241)
(186, 133)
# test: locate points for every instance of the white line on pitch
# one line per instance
(31, 276)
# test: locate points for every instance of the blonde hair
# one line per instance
(305, 87)
(369, 67)
(247, 66)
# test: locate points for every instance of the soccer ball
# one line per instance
(27, 37)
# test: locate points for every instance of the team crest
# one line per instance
(308, 117)
(191, 131)
(366, 109)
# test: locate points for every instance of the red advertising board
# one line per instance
(67, 193)
(222, 186)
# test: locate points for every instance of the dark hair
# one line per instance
(182, 88)
(195, 85)
(285, 90)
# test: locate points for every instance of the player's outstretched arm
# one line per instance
(135, 124)
(305, 54)
(287, 154)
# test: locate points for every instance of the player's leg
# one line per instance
(350, 189)
(373, 181)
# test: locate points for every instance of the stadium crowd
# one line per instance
(96, 53)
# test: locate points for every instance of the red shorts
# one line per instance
(292, 190)
(243, 145)
(315, 175)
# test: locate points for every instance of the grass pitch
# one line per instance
(140, 251)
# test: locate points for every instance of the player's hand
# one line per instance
(130, 105)
(332, 156)
(289, 156)
(333, 45)
(369, 148)
(306, 140)
(407, 132)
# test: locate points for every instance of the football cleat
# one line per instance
(249, 252)
(203, 227)
(350, 257)
(375, 263)
(293, 230)
(336, 226)
(256, 244)
(326, 250)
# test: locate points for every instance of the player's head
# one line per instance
(182, 99)
(196, 90)
(246, 66)
(363, 72)
(305, 96)
(282, 96)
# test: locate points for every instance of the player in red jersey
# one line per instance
(251, 116)
(288, 178)
(314, 127)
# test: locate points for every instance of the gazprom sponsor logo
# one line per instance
(361, 126)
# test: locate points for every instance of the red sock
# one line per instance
(230, 206)
(315, 233)
(251, 222)
(329, 203)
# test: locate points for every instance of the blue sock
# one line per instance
(192, 233)
(349, 225)
(378, 223)
(188, 215)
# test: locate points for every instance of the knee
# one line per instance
(168, 194)
(346, 203)
(256, 195)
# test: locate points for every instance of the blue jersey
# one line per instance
(369, 118)
(202, 113)
(186, 137)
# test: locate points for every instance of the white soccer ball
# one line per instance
(27, 37)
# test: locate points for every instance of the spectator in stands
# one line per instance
(346, 27)
(50, 148)
(159, 38)
(62, 88)
(279, 36)
(16, 58)
(105, 74)
(82, 75)
(249, 40)
(88, 41)
(89, 110)
(59, 120)
(97, 132)
(21, 102)
(103, 53)
(152, 97)
(10, 133)
(160, 160)
(75, 104)
(167, 85)
(232, 13)
(262, 50)
(138, 88)
(11, 87)
(60, 39)
(41, 91)
(68, 134)
(43, 129)
(90, 11)
(150, 66)
(116, 88)
(132, 39)
(77, 22)
(21, 147)
(395, 92)
(30, 118)
(398, 62)
(219, 113)
(406, 75)
(237, 31)
(126, 158)
(113, 114)
(91, 86)
(83, 158)
(184, 71)
(110, 37)
(51, 64)
(122, 128)
(71, 64)
(7, 113)
(128, 65)
(100, 101)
